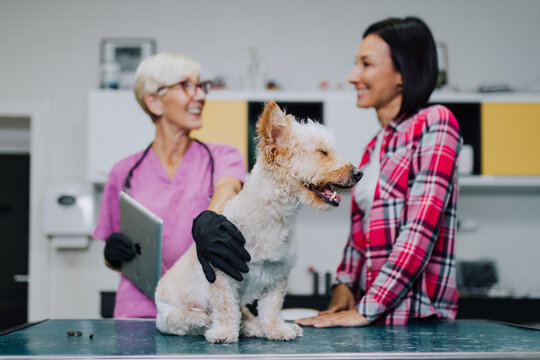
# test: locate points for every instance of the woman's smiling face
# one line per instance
(376, 80)
(181, 109)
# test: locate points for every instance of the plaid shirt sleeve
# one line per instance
(430, 180)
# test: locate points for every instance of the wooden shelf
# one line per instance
(488, 181)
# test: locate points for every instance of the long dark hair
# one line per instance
(414, 55)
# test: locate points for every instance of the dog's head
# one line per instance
(303, 157)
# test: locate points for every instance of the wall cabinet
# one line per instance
(510, 138)
(502, 130)
(118, 127)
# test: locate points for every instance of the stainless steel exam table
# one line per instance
(461, 339)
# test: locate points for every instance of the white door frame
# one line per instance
(38, 257)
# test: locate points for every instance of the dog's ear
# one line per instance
(273, 127)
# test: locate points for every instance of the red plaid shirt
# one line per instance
(408, 253)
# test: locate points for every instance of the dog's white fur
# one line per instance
(292, 157)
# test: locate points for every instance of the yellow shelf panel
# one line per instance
(225, 122)
(510, 139)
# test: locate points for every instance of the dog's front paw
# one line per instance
(218, 334)
(281, 330)
(251, 328)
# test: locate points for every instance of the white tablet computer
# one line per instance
(145, 230)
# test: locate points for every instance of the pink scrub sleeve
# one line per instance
(228, 161)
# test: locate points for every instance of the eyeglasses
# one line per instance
(189, 87)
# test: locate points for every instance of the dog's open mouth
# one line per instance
(329, 193)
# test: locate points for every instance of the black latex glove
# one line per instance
(118, 249)
(220, 244)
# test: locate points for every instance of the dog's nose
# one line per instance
(356, 174)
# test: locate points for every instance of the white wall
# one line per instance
(50, 49)
(50, 53)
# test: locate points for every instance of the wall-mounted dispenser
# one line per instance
(69, 215)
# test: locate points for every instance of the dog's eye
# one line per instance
(325, 153)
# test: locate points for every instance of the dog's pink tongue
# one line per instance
(329, 193)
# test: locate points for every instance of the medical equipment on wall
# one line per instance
(69, 215)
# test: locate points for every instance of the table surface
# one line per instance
(140, 338)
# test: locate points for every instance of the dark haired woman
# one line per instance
(399, 263)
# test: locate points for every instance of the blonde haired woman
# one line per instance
(176, 177)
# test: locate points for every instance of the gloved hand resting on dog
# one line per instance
(118, 249)
(221, 244)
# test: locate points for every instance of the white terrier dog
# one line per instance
(296, 164)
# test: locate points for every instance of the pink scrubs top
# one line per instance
(177, 202)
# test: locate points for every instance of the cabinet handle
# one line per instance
(20, 278)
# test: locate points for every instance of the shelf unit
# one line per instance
(112, 113)
(492, 181)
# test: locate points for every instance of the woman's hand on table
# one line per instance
(340, 318)
(341, 311)
(342, 299)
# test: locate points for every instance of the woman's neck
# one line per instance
(389, 111)
(170, 146)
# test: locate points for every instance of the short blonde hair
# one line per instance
(158, 70)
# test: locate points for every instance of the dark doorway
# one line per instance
(14, 226)
(302, 110)
(468, 117)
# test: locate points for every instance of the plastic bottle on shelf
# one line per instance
(110, 75)
(256, 72)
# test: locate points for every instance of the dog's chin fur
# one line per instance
(294, 158)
